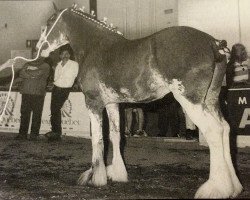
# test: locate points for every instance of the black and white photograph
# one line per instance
(124, 99)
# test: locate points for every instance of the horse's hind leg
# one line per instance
(220, 183)
(116, 171)
(237, 185)
(96, 175)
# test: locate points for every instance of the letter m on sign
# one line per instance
(242, 100)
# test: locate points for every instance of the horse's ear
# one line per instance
(55, 7)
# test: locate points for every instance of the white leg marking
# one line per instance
(97, 174)
(157, 83)
(108, 94)
(116, 171)
(219, 184)
(226, 144)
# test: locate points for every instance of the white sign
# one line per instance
(75, 119)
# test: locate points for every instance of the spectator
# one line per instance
(139, 117)
(65, 73)
(237, 69)
(237, 74)
(168, 117)
(33, 89)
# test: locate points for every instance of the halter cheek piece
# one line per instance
(44, 36)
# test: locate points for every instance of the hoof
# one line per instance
(209, 190)
(118, 174)
(237, 190)
(53, 136)
(85, 178)
(96, 177)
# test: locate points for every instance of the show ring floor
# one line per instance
(158, 168)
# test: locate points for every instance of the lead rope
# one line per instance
(44, 36)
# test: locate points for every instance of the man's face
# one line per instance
(64, 55)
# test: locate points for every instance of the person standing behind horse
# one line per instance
(168, 117)
(139, 117)
(238, 66)
(65, 73)
(34, 77)
(237, 75)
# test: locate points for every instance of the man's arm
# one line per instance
(24, 73)
(7, 64)
(35, 72)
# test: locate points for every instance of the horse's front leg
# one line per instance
(116, 171)
(96, 175)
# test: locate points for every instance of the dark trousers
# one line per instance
(31, 103)
(58, 97)
(168, 117)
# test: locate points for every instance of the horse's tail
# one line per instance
(219, 48)
(222, 44)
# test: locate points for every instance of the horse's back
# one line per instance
(175, 44)
(185, 54)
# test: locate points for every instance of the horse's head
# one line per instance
(77, 27)
(54, 35)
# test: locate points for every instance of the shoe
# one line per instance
(195, 135)
(181, 135)
(53, 136)
(189, 134)
(144, 133)
(47, 135)
(128, 133)
(136, 135)
(34, 137)
(140, 133)
(54, 139)
(21, 137)
(189, 137)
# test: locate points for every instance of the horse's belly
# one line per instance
(151, 86)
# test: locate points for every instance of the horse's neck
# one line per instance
(87, 35)
(94, 41)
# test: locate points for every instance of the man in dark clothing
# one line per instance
(168, 116)
(33, 89)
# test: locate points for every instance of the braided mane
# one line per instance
(98, 22)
